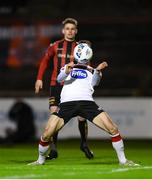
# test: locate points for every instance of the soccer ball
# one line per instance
(83, 53)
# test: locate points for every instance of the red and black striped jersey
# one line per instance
(57, 55)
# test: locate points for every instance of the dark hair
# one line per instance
(71, 21)
(85, 41)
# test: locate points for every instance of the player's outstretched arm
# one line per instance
(38, 86)
(102, 66)
(98, 74)
(64, 72)
(68, 67)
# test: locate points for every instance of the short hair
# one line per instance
(71, 21)
(85, 41)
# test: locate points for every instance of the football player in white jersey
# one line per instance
(77, 100)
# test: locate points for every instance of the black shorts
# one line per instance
(85, 109)
(55, 92)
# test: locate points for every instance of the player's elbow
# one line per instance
(95, 83)
(59, 80)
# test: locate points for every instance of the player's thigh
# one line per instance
(54, 123)
(104, 121)
(54, 109)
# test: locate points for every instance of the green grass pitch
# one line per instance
(72, 164)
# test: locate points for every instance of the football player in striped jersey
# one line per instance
(57, 55)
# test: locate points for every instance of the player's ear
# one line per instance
(76, 31)
(63, 32)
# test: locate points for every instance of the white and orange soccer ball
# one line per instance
(83, 53)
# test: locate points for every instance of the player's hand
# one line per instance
(38, 86)
(102, 66)
(69, 67)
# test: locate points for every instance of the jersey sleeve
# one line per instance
(96, 78)
(45, 61)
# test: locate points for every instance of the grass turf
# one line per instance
(72, 163)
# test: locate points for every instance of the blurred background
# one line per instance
(121, 34)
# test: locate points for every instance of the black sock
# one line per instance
(83, 128)
(54, 143)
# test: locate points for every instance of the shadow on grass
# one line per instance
(101, 162)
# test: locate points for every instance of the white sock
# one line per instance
(118, 145)
(42, 153)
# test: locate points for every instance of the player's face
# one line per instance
(69, 32)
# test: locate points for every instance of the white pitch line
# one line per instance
(130, 169)
(23, 176)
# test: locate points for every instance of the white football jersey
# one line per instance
(77, 86)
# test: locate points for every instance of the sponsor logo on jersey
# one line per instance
(64, 55)
(79, 74)
(60, 49)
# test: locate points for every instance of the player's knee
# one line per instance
(60, 124)
(49, 131)
(53, 109)
(46, 136)
(56, 120)
(52, 126)
(113, 130)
